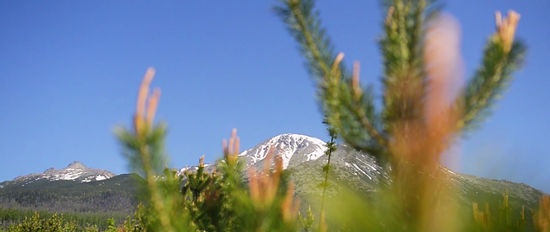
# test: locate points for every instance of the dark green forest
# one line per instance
(83, 204)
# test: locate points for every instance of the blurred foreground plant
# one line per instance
(200, 200)
(424, 108)
(144, 148)
(542, 217)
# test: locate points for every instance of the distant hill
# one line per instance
(75, 188)
(75, 171)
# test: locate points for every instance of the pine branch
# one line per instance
(351, 112)
(353, 116)
(358, 121)
(331, 147)
(502, 56)
(402, 46)
(305, 26)
(144, 147)
(489, 81)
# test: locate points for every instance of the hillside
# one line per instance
(74, 189)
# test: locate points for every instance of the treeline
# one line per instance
(117, 196)
(30, 220)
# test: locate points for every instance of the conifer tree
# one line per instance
(419, 117)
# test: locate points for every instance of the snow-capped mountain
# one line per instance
(298, 150)
(75, 171)
(292, 148)
(304, 157)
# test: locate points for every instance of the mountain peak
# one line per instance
(295, 137)
(75, 171)
(292, 148)
(76, 165)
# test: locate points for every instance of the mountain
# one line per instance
(292, 148)
(75, 189)
(357, 174)
(75, 171)
(303, 157)
(295, 150)
(360, 172)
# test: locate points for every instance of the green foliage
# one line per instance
(222, 201)
(307, 221)
(216, 201)
(347, 111)
(490, 80)
(137, 222)
(111, 227)
(11, 217)
(115, 196)
(331, 147)
(55, 223)
(500, 216)
(419, 118)
(91, 228)
(162, 195)
(350, 110)
(207, 197)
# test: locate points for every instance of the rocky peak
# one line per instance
(76, 165)
(292, 148)
(75, 171)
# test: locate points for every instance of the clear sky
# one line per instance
(69, 72)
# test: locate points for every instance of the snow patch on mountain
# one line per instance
(75, 171)
(292, 148)
(295, 150)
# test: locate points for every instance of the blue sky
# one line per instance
(69, 72)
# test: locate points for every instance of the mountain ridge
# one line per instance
(75, 171)
(294, 149)
(304, 158)
(313, 149)
(310, 152)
